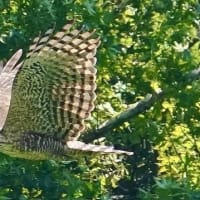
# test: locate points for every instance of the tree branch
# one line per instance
(139, 107)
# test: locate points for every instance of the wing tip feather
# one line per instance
(78, 145)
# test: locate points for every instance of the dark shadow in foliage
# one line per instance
(143, 170)
(44, 180)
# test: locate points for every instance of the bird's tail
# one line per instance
(77, 145)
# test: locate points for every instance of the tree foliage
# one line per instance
(147, 46)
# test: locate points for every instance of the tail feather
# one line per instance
(77, 145)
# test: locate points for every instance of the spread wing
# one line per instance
(54, 90)
(7, 75)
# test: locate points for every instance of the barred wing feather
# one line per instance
(45, 99)
(54, 90)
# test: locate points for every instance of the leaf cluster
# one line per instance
(146, 46)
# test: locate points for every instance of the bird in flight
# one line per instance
(45, 98)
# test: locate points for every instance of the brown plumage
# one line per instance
(45, 99)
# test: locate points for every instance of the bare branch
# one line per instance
(139, 107)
